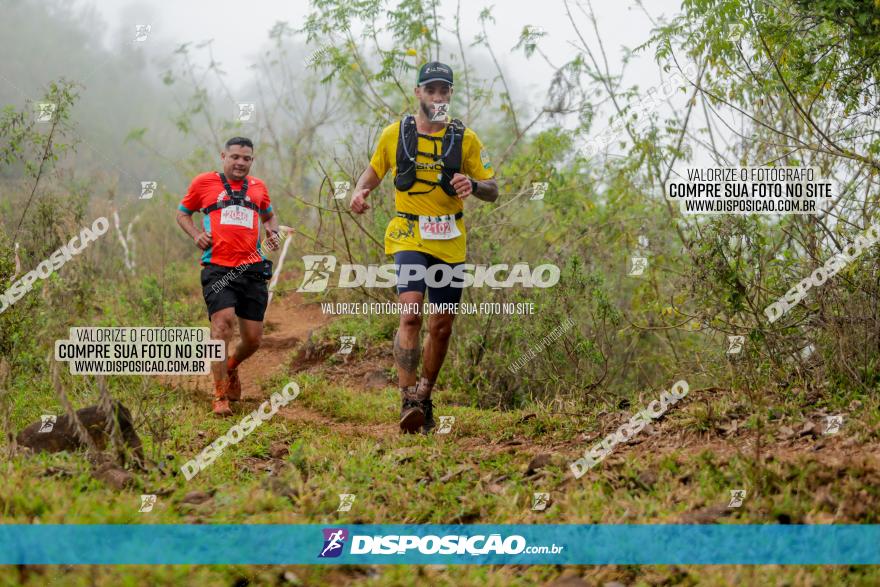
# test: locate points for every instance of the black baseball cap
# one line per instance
(434, 71)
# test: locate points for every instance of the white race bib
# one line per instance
(438, 227)
(238, 216)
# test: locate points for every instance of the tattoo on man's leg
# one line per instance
(407, 359)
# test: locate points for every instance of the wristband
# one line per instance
(473, 187)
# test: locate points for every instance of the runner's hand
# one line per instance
(462, 185)
(272, 243)
(359, 201)
(203, 241)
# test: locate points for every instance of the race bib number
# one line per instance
(438, 227)
(238, 216)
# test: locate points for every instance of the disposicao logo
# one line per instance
(452, 544)
(334, 540)
(319, 268)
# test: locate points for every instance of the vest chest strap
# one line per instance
(458, 215)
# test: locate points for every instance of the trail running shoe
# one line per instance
(412, 416)
(220, 405)
(428, 408)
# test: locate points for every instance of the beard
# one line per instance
(426, 109)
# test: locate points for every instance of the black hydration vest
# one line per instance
(449, 156)
(235, 198)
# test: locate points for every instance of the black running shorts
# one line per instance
(230, 287)
(437, 294)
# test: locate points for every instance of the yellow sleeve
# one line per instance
(475, 160)
(385, 150)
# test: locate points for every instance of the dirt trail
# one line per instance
(290, 320)
(288, 323)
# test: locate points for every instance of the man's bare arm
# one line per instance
(464, 186)
(202, 239)
(487, 190)
(367, 182)
(270, 221)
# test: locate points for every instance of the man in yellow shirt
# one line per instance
(436, 163)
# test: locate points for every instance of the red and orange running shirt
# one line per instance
(235, 230)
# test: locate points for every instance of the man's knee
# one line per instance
(222, 327)
(440, 329)
(410, 321)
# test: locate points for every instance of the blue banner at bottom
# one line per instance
(568, 544)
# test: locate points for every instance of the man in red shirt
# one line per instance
(234, 271)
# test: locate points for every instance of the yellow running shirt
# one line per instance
(403, 234)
